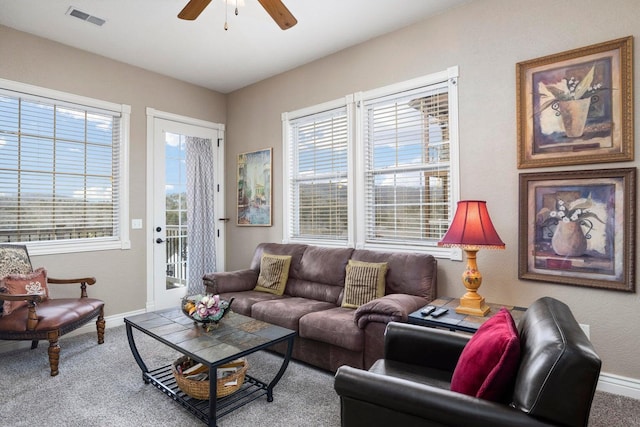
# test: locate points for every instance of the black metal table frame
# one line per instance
(209, 411)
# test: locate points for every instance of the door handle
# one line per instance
(159, 240)
(223, 219)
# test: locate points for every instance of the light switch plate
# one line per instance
(136, 224)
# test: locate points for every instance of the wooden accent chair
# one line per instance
(38, 316)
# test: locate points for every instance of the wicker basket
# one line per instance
(200, 389)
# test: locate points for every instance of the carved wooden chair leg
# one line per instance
(54, 352)
(100, 326)
(34, 344)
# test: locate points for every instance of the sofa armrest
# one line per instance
(230, 281)
(389, 308)
(419, 345)
(372, 399)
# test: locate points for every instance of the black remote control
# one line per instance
(427, 310)
(439, 312)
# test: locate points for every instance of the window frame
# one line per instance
(346, 103)
(356, 164)
(122, 240)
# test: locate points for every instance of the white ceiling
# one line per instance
(148, 34)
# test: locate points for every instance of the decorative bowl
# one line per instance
(207, 310)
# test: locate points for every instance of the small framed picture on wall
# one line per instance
(254, 188)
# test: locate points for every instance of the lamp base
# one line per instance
(473, 306)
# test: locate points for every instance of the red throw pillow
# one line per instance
(31, 283)
(489, 362)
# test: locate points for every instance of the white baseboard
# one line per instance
(110, 322)
(624, 386)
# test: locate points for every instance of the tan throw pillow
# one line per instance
(274, 272)
(364, 282)
(32, 283)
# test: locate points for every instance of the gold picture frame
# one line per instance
(254, 188)
(578, 228)
(576, 107)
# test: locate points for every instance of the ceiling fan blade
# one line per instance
(279, 13)
(193, 9)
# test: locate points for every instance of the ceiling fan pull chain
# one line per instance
(236, 7)
(226, 14)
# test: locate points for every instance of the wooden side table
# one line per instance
(460, 322)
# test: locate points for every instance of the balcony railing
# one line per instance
(176, 245)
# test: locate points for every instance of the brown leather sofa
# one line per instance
(554, 385)
(329, 335)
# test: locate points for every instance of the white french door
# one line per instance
(168, 217)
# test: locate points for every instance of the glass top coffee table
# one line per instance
(236, 336)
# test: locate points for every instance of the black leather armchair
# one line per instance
(554, 386)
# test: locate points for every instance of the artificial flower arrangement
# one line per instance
(206, 309)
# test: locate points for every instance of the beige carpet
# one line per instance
(102, 386)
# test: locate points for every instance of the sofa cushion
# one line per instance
(488, 364)
(274, 272)
(364, 282)
(244, 300)
(315, 280)
(408, 273)
(30, 283)
(334, 326)
(316, 259)
(286, 312)
(294, 249)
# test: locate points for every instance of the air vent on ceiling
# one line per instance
(72, 11)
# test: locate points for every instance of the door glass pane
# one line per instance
(176, 211)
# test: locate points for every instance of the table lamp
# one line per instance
(472, 230)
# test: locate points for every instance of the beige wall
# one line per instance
(24, 58)
(485, 39)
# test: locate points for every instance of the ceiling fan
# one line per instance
(275, 8)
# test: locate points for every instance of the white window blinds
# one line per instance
(318, 184)
(59, 170)
(375, 169)
(407, 166)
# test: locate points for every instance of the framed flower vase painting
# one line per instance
(576, 107)
(254, 188)
(578, 228)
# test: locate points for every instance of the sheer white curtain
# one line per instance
(201, 255)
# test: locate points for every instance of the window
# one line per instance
(318, 181)
(62, 167)
(377, 169)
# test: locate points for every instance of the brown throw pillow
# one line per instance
(31, 283)
(364, 282)
(274, 272)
